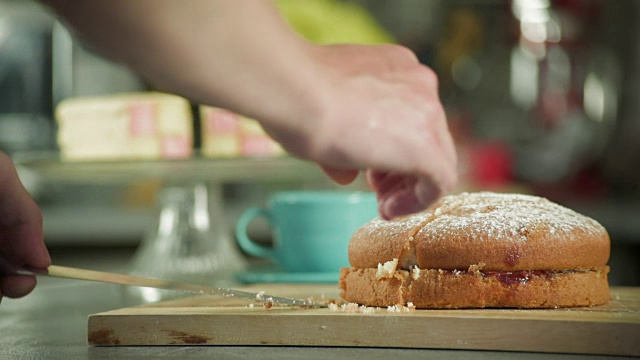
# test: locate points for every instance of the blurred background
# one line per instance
(543, 97)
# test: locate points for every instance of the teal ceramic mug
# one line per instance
(311, 229)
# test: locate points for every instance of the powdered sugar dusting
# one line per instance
(505, 217)
(389, 228)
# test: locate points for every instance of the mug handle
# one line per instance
(243, 238)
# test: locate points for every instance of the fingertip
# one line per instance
(340, 176)
(17, 286)
(370, 176)
(400, 203)
(382, 212)
(31, 248)
(41, 257)
(451, 182)
(443, 184)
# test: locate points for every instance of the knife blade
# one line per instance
(8, 267)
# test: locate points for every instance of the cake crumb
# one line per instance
(394, 308)
(367, 309)
(251, 306)
(401, 308)
(260, 295)
(350, 307)
(353, 308)
(415, 273)
(477, 267)
(387, 269)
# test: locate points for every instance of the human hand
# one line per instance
(346, 107)
(21, 238)
(381, 113)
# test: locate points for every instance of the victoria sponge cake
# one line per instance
(477, 250)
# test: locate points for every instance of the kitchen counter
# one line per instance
(51, 323)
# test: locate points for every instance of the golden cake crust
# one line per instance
(439, 289)
(506, 232)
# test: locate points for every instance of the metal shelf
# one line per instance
(196, 169)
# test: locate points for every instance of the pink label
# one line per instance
(176, 147)
(256, 146)
(142, 119)
(220, 121)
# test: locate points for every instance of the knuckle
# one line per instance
(4, 159)
(311, 147)
(37, 215)
(429, 77)
(6, 170)
(401, 53)
(406, 53)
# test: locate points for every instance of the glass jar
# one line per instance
(190, 244)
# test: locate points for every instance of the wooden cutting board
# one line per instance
(612, 329)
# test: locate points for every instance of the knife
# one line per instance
(8, 267)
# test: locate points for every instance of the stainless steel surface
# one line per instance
(238, 170)
(8, 268)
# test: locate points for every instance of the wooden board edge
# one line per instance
(333, 331)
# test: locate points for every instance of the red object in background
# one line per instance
(583, 9)
(588, 184)
(485, 164)
(490, 164)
